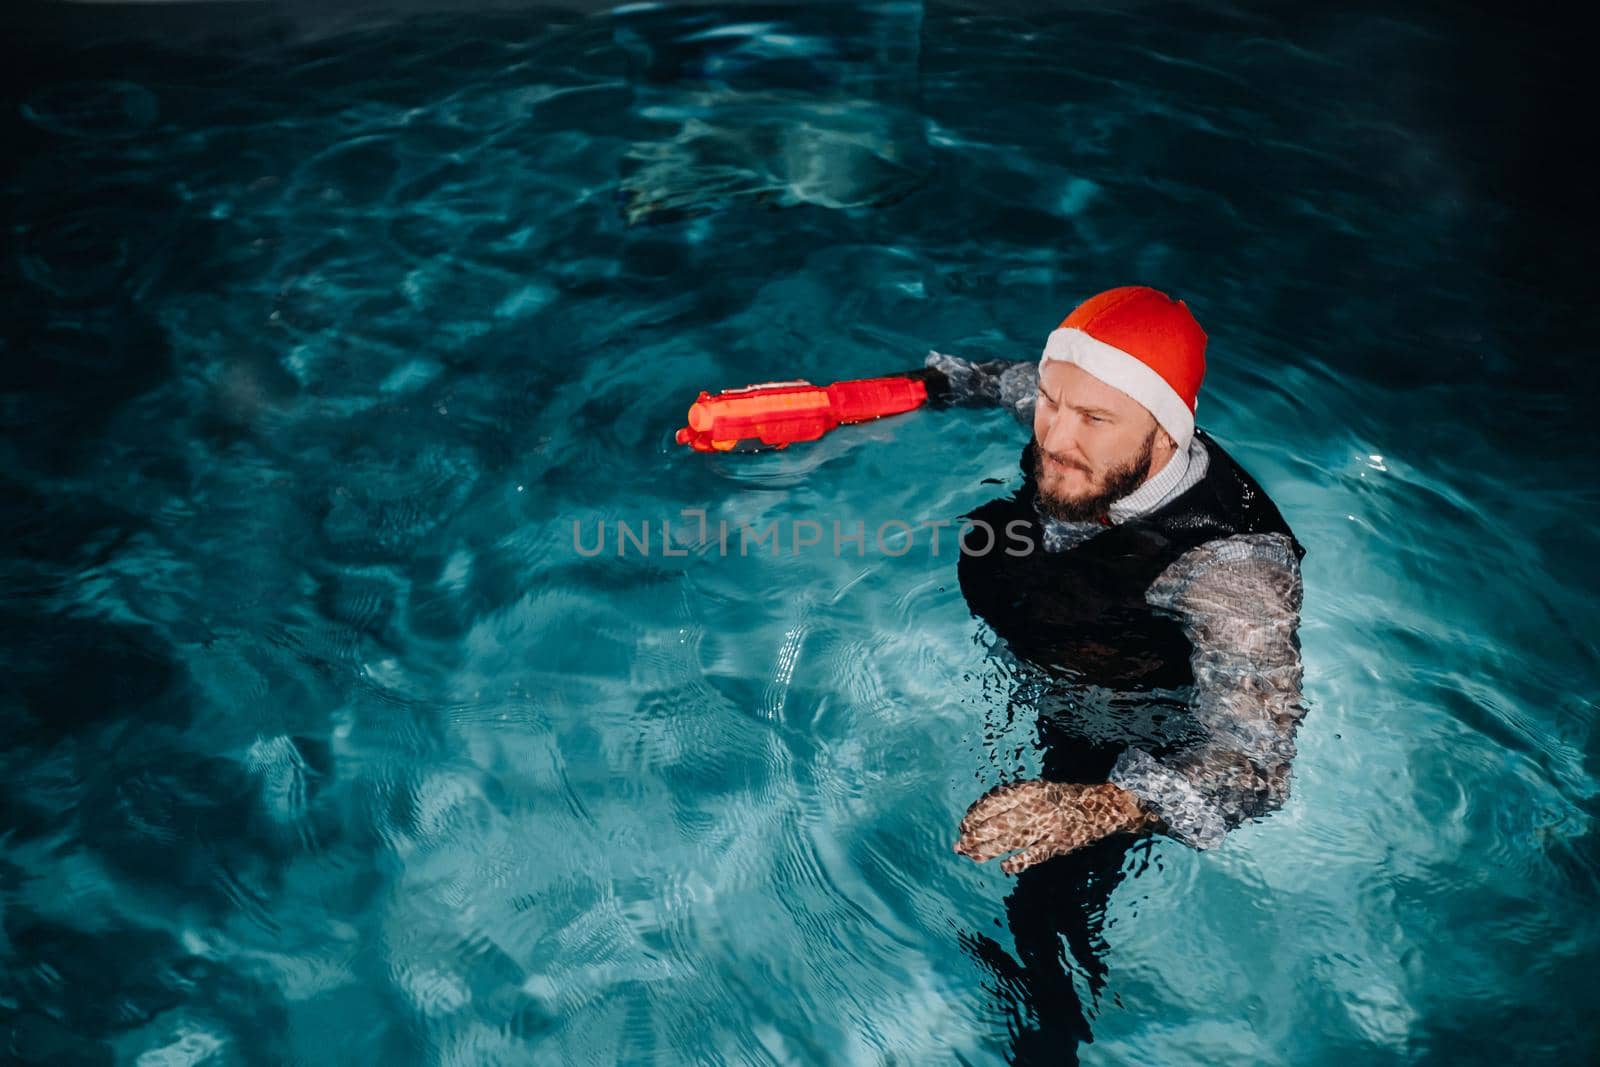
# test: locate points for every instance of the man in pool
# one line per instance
(1149, 592)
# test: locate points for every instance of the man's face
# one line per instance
(1092, 443)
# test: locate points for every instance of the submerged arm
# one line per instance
(1239, 599)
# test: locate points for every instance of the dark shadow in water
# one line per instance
(1056, 912)
(85, 987)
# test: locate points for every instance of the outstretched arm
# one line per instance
(1239, 599)
(953, 381)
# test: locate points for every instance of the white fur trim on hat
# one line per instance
(1126, 373)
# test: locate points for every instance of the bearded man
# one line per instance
(1146, 593)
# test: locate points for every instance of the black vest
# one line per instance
(1104, 668)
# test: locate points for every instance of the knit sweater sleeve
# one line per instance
(1239, 600)
(999, 383)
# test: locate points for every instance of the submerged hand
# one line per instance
(1045, 819)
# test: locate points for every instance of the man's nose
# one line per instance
(1060, 436)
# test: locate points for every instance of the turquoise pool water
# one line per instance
(326, 743)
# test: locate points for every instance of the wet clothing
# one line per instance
(1158, 651)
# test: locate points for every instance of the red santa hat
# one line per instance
(1142, 342)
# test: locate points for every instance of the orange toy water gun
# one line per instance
(777, 414)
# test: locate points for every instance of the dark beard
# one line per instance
(1119, 483)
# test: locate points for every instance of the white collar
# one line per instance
(1154, 490)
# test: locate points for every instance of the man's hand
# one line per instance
(1045, 819)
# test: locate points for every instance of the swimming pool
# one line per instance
(331, 344)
